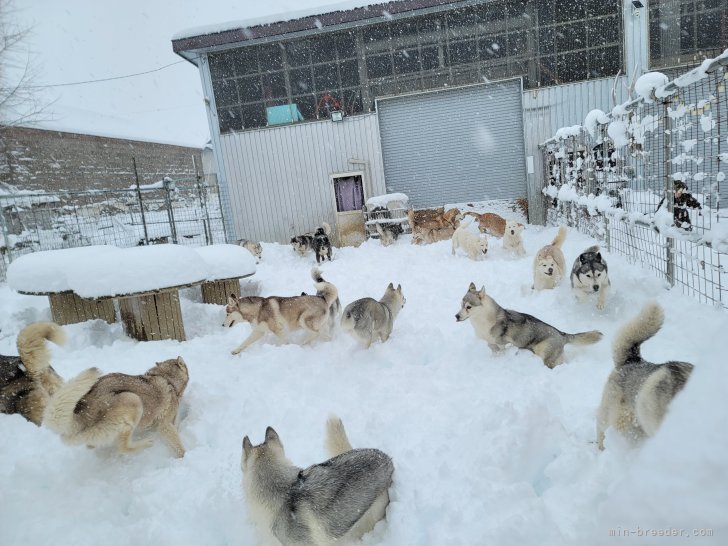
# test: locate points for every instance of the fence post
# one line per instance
(669, 194)
(169, 187)
(141, 203)
(202, 194)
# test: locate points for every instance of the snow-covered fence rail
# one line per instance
(647, 177)
(183, 211)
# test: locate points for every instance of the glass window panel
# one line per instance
(463, 52)
(221, 67)
(545, 12)
(327, 102)
(379, 66)
(595, 8)
(493, 47)
(250, 89)
(298, 53)
(325, 77)
(403, 29)
(349, 71)
(301, 80)
(352, 102)
(570, 37)
(571, 67)
(515, 9)
(430, 58)
(568, 10)
(494, 12)
(462, 22)
(547, 70)
(306, 105)
(245, 61)
(254, 115)
(517, 43)
(323, 50)
(376, 37)
(230, 119)
(406, 60)
(226, 92)
(605, 62)
(274, 85)
(346, 45)
(429, 30)
(271, 57)
(603, 31)
(546, 40)
(687, 38)
(709, 30)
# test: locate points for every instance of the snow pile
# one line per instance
(389, 200)
(488, 449)
(567, 132)
(593, 118)
(646, 85)
(226, 261)
(617, 131)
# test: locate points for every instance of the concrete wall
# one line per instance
(43, 160)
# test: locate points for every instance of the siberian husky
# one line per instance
(28, 380)
(368, 319)
(316, 314)
(499, 327)
(512, 239)
(256, 249)
(474, 246)
(590, 275)
(637, 393)
(334, 502)
(549, 264)
(307, 242)
(100, 410)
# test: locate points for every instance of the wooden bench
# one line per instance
(227, 265)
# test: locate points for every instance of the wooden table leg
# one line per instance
(152, 317)
(218, 291)
(70, 308)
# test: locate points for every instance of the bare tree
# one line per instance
(20, 101)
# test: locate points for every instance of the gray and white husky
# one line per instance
(368, 319)
(638, 392)
(499, 327)
(336, 501)
(590, 275)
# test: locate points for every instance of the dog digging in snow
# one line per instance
(549, 263)
(315, 314)
(500, 327)
(590, 276)
(100, 410)
(367, 319)
(334, 502)
(474, 245)
(27, 381)
(638, 393)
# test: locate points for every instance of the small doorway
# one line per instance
(349, 197)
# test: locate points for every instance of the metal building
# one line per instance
(445, 101)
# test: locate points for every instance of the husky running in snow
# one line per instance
(367, 319)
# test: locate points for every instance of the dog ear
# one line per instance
(472, 287)
(247, 447)
(582, 258)
(481, 294)
(598, 257)
(271, 435)
(232, 299)
(390, 286)
(399, 288)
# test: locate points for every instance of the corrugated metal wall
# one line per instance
(455, 145)
(279, 177)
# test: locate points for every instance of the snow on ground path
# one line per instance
(487, 449)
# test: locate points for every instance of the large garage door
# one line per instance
(456, 145)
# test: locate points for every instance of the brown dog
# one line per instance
(432, 225)
(490, 223)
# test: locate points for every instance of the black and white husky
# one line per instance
(638, 392)
(336, 501)
(590, 275)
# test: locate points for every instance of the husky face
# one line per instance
(589, 272)
(472, 299)
(394, 295)
(513, 227)
(547, 266)
(271, 447)
(254, 248)
(240, 310)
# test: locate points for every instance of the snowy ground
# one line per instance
(488, 450)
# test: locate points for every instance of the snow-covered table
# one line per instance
(82, 283)
(226, 264)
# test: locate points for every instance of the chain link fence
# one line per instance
(182, 211)
(646, 179)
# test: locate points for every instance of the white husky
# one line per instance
(474, 245)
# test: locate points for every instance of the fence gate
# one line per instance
(456, 145)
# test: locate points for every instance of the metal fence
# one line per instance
(182, 211)
(646, 179)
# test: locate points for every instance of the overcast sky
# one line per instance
(80, 40)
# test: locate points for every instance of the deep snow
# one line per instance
(487, 449)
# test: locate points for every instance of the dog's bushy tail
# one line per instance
(560, 236)
(59, 415)
(327, 228)
(584, 338)
(629, 338)
(32, 346)
(324, 288)
(337, 442)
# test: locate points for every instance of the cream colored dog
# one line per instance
(549, 263)
(474, 245)
(512, 240)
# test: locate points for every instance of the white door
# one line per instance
(349, 195)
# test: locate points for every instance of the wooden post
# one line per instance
(70, 308)
(151, 317)
(218, 291)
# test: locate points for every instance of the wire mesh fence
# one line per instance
(647, 178)
(181, 211)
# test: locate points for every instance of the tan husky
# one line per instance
(276, 314)
(99, 410)
(28, 380)
(549, 264)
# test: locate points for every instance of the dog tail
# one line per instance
(337, 442)
(629, 338)
(324, 288)
(59, 414)
(327, 228)
(560, 236)
(584, 338)
(32, 346)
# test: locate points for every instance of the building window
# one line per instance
(686, 31)
(546, 42)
